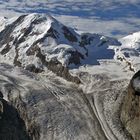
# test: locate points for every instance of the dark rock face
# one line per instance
(1, 95)
(5, 35)
(130, 114)
(62, 71)
(12, 127)
(68, 34)
(85, 40)
(75, 58)
(32, 68)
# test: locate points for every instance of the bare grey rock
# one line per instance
(12, 127)
(130, 114)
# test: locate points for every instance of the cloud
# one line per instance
(116, 28)
(109, 17)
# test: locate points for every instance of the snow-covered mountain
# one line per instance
(129, 51)
(40, 39)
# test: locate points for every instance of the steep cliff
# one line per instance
(130, 114)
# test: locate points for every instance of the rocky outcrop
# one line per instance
(62, 71)
(130, 113)
(12, 127)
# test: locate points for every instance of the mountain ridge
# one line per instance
(38, 41)
(30, 31)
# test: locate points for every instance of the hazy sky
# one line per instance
(108, 17)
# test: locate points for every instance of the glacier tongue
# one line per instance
(53, 108)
